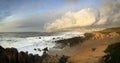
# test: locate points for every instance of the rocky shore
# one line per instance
(89, 48)
(11, 55)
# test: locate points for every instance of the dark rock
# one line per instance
(3, 56)
(45, 49)
(12, 55)
(93, 49)
(71, 41)
(30, 58)
(63, 59)
(37, 59)
(22, 57)
(53, 38)
(39, 37)
(35, 49)
(88, 36)
(39, 49)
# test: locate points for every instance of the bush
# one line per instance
(114, 52)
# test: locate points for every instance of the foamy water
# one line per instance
(29, 43)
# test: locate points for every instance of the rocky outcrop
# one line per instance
(3, 55)
(70, 42)
(11, 55)
(99, 35)
(113, 34)
(88, 35)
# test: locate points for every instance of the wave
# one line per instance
(29, 43)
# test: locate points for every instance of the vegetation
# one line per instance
(113, 53)
(109, 30)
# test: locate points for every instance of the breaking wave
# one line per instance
(29, 43)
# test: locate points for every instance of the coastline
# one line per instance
(87, 49)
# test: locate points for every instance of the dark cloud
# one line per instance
(34, 22)
(110, 11)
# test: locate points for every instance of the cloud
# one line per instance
(88, 18)
(17, 23)
(107, 16)
(22, 25)
(84, 17)
(110, 13)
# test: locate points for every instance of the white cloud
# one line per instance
(107, 16)
(84, 17)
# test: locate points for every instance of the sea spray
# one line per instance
(29, 43)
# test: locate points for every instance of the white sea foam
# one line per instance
(29, 43)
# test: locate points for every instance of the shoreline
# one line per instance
(87, 49)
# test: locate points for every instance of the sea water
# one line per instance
(27, 41)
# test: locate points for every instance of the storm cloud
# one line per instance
(28, 15)
(107, 16)
(35, 23)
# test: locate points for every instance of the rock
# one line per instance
(88, 35)
(63, 59)
(45, 49)
(12, 55)
(22, 57)
(113, 34)
(93, 49)
(3, 56)
(70, 42)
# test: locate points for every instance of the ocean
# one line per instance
(27, 41)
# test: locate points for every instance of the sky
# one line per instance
(41, 15)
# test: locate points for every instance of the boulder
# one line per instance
(12, 55)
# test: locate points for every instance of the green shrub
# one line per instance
(114, 51)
